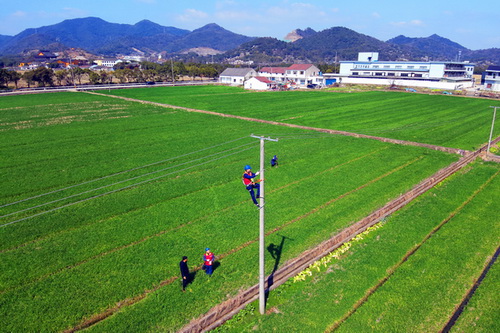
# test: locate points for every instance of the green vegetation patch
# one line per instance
(434, 119)
(481, 313)
(424, 290)
(105, 207)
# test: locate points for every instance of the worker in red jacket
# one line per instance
(251, 184)
(208, 261)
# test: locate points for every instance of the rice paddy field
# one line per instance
(448, 121)
(101, 197)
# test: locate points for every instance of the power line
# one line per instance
(118, 173)
(123, 188)
(122, 181)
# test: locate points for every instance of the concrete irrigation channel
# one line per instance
(224, 311)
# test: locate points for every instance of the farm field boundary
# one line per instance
(321, 130)
(471, 292)
(219, 314)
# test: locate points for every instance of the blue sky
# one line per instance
(474, 25)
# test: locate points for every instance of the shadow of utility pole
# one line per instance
(275, 251)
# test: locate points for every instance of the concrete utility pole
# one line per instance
(172, 66)
(492, 126)
(262, 272)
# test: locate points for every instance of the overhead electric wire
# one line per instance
(118, 173)
(123, 181)
(123, 188)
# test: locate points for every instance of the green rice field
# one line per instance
(448, 121)
(377, 286)
(101, 197)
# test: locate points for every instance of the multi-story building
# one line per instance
(275, 74)
(491, 78)
(432, 74)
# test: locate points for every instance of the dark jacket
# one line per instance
(184, 268)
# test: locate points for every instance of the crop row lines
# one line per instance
(410, 252)
(323, 130)
(201, 218)
(222, 312)
(101, 316)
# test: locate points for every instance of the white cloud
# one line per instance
(19, 14)
(418, 23)
(414, 23)
(235, 16)
(190, 15)
(376, 15)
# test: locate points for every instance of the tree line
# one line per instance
(122, 73)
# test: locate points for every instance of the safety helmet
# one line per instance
(207, 249)
(247, 167)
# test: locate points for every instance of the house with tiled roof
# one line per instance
(276, 74)
(298, 75)
(236, 76)
(303, 74)
(490, 79)
(259, 83)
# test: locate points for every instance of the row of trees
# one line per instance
(123, 73)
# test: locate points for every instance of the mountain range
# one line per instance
(102, 38)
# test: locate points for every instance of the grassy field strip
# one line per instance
(327, 296)
(197, 181)
(481, 313)
(50, 270)
(428, 307)
(346, 234)
(459, 310)
(295, 232)
(298, 230)
(111, 191)
(412, 251)
(123, 249)
(335, 111)
(69, 265)
(114, 174)
(323, 130)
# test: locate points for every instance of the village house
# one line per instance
(303, 75)
(490, 79)
(298, 75)
(275, 74)
(258, 83)
(236, 76)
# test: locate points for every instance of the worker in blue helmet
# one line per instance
(274, 161)
(251, 183)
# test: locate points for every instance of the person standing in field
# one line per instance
(274, 161)
(251, 184)
(208, 261)
(184, 272)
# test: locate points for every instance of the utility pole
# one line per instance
(262, 272)
(492, 126)
(172, 66)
